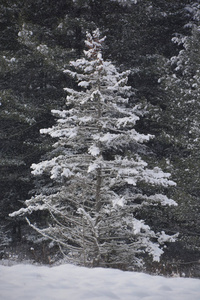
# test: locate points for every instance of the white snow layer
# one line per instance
(68, 282)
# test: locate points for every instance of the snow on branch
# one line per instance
(92, 179)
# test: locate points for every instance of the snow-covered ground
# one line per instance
(68, 282)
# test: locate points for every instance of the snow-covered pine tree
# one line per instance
(93, 213)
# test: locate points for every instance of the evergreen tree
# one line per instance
(96, 190)
(182, 128)
(28, 87)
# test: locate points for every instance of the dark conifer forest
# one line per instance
(159, 42)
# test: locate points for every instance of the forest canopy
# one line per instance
(158, 42)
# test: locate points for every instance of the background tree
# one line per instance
(181, 115)
(93, 205)
(28, 87)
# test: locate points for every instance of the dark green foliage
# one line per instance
(138, 38)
